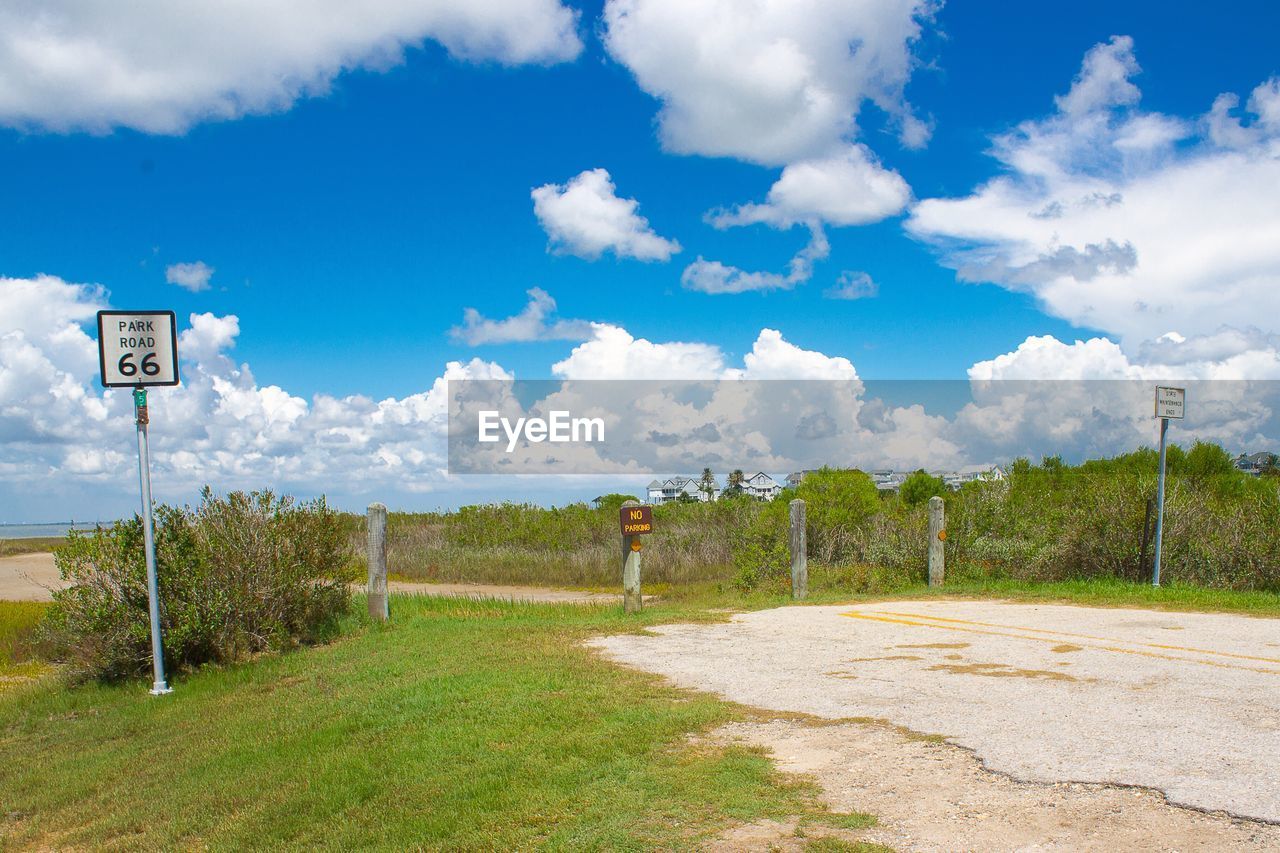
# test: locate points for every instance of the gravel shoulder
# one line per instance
(1182, 703)
(931, 796)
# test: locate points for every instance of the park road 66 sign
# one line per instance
(137, 348)
(636, 520)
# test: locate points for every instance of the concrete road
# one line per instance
(1188, 704)
(28, 577)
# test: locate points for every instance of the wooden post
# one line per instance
(937, 536)
(799, 560)
(631, 599)
(379, 608)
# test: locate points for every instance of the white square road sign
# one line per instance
(1170, 402)
(138, 348)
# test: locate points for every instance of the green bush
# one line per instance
(919, 487)
(237, 576)
(838, 504)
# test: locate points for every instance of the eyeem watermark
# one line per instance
(559, 428)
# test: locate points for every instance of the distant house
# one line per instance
(761, 486)
(1255, 463)
(795, 478)
(665, 491)
(889, 480)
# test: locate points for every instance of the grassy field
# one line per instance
(18, 661)
(13, 547)
(460, 724)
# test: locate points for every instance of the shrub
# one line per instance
(237, 576)
(838, 504)
(919, 487)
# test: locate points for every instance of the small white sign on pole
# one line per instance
(138, 348)
(1170, 402)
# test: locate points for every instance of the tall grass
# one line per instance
(1046, 522)
(574, 545)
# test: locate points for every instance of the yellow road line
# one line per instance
(876, 618)
(1084, 636)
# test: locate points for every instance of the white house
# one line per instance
(761, 486)
(665, 491)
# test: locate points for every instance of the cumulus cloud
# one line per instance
(1227, 354)
(613, 353)
(194, 276)
(1131, 222)
(853, 285)
(534, 323)
(716, 278)
(66, 442)
(771, 83)
(586, 218)
(161, 67)
(849, 188)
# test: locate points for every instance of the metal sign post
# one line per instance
(1170, 403)
(159, 687)
(137, 349)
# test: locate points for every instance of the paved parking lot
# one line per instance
(1188, 704)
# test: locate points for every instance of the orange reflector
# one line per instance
(942, 535)
(635, 544)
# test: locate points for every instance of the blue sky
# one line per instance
(349, 229)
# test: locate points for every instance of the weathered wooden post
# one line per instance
(633, 518)
(937, 538)
(379, 607)
(799, 561)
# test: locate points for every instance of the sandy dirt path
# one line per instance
(1185, 704)
(28, 577)
(506, 593)
(32, 577)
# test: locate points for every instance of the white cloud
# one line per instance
(774, 357)
(716, 278)
(68, 443)
(853, 285)
(849, 188)
(768, 82)
(531, 324)
(586, 218)
(1123, 220)
(161, 67)
(194, 276)
(613, 353)
(1227, 354)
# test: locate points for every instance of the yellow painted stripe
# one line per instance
(1119, 650)
(1191, 649)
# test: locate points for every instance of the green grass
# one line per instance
(18, 663)
(1107, 592)
(460, 724)
(1094, 592)
(40, 544)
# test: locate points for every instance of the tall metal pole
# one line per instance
(159, 687)
(1155, 577)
